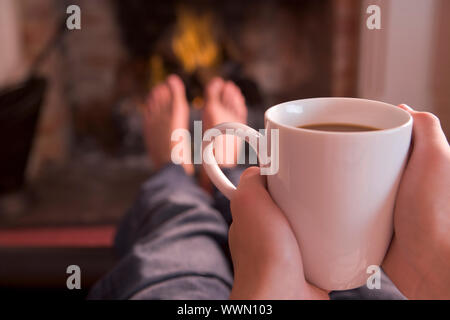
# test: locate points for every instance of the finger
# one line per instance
(427, 130)
(406, 108)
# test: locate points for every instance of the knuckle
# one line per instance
(427, 117)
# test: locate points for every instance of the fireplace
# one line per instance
(89, 134)
(274, 50)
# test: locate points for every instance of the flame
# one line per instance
(194, 43)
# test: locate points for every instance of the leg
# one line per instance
(172, 242)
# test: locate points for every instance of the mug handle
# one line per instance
(209, 161)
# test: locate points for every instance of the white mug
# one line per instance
(337, 189)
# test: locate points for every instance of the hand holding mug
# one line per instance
(266, 257)
(336, 189)
(418, 261)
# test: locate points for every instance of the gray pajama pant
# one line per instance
(173, 244)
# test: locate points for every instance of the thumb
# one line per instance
(249, 193)
(427, 130)
(252, 198)
(252, 178)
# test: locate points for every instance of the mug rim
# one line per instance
(353, 133)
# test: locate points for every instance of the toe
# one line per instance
(175, 82)
(240, 99)
(239, 102)
(176, 88)
(158, 97)
(150, 102)
(165, 97)
(233, 98)
(214, 89)
(228, 95)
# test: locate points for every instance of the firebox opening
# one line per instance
(273, 50)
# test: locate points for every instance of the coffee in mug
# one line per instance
(338, 127)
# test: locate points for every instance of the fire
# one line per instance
(194, 43)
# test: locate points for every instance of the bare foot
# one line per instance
(166, 110)
(224, 103)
